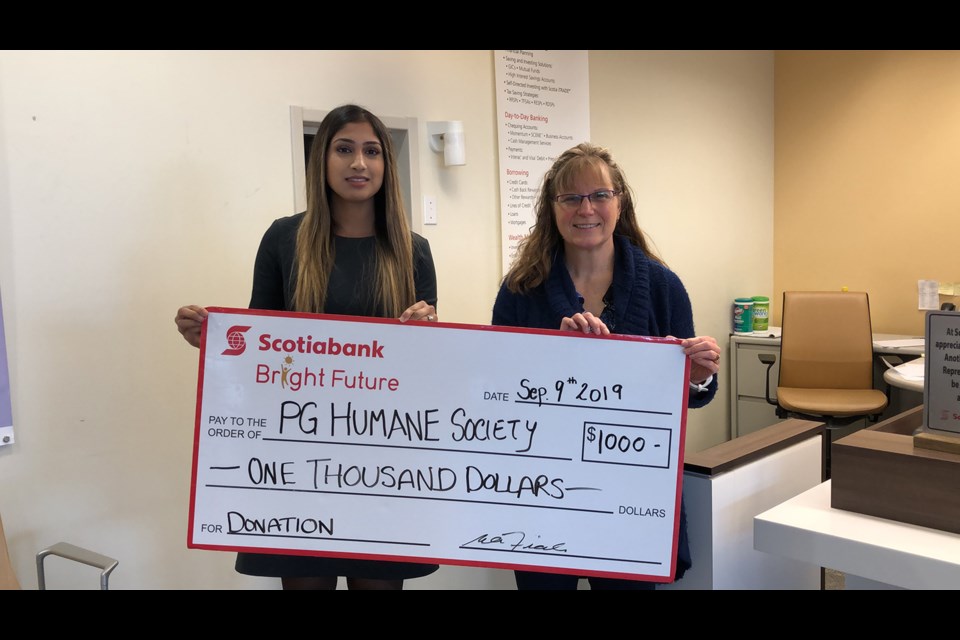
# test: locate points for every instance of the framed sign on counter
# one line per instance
(438, 443)
(941, 387)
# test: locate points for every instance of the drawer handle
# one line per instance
(768, 359)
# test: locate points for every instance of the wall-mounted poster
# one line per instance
(543, 109)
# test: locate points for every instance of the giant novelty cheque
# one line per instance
(437, 442)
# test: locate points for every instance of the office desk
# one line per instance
(904, 376)
(875, 552)
(725, 486)
(881, 344)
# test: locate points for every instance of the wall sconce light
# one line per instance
(448, 137)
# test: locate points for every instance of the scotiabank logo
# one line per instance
(235, 340)
(321, 347)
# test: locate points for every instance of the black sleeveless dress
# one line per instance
(274, 280)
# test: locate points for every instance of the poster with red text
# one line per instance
(543, 109)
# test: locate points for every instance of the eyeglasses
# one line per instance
(599, 198)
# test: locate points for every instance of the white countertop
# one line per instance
(807, 528)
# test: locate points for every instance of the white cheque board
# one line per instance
(433, 442)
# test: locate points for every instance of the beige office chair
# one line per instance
(826, 362)
(8, 579)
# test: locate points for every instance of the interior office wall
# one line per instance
(694, 133)
(867, 150)
(134, 182)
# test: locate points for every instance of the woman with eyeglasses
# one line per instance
(587, 266)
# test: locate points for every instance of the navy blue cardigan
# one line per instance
(648, 300)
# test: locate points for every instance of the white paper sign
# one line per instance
(543, 109)
(433, 442)
(941, 387)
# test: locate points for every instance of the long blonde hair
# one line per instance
(393, 283)
(536, 252)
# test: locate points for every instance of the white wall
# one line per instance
(134, 182)
(694, 133)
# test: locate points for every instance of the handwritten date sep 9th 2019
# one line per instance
(569, 391)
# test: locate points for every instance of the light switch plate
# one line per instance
(429, 210)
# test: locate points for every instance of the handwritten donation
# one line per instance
(437, 442)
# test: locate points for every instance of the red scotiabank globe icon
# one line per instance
(235, 340)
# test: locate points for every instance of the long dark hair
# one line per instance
(393, 282)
